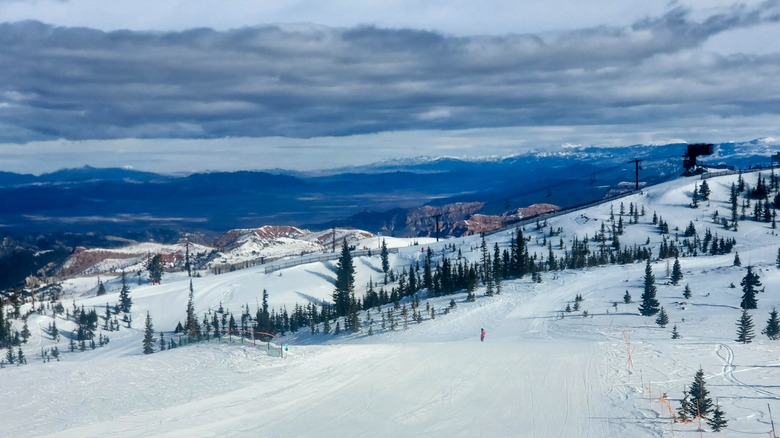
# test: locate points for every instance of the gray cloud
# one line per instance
(308, 81)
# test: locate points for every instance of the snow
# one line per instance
(536, 374)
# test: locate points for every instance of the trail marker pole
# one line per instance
(774, 434)
(629, 362)
(641, 379)
(698, 415)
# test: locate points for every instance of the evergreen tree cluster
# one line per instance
(8, 336)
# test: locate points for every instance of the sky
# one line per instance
(187, 86)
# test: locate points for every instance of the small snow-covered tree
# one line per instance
(737, 261)
(687, 292)
(148, 340)
(704, 191)
(187, 264)
(662, 318)
(772, 329)
(649, 305)
(101, 288)
(745, 328)
(718, 421)
(684, 413)
(25, 332)
(125, 302)
(675, 333)
(749, 284)
(155, 268)
(701, 404)
(384, 255)
(733, 198)
(677, 274)
(627, 297)
(191, 322)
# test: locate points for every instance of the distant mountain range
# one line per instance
(44, 218)
(122, 200)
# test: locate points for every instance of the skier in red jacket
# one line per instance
(482, 336)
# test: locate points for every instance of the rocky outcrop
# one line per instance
(480, 223)
(233, 238)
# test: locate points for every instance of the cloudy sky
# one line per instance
(194, 85)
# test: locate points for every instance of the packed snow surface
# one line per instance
(607, 374)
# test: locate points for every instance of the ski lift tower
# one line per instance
(437, 216)
(694, 151)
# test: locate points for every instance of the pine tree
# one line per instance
(695, 197)
(704, 191)
(25, 332)
(101, 288)
(627, 297)
(148, 340)
(749, 284)
(745, 328)
(700, 403)
(345, 282)
(125, 302)
(687, 292)
(734, 198)
(649, 305)
(718, 421)
(427, 273)
(662, 318)
(162, 342)
(191, 323)
(471, 286)
(777, 261)
(772, 329)
(737, 261)
(187, 265)
(675, 333)
(155, 268)
(684, 413)
(677, 274)
(383, 254)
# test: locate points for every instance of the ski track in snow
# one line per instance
(729, 372)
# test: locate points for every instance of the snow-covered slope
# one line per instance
(536, 374)
(236, 248)
(130, 258)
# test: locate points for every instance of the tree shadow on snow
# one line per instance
(370, 266)
(329, 279)
(310, 298)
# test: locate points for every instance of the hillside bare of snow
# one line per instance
(540, 372)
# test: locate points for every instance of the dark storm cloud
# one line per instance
(304, 81)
